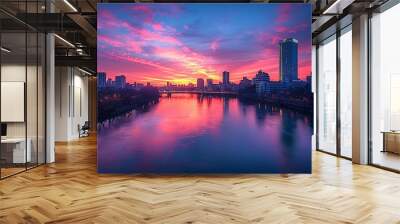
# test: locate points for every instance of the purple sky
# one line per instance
(179, 43)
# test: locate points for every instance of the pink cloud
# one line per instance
(187, 60)
(269, 65)
(147, 35)
(284, 14)
(110, 21)
(141, 8)
(135, 46)
(109, 41)
(146, 12)
(304, 68)
(214, 45)
(142, 33)
(158, 27)
(105, 14)
(270, 38)
(120, 42)
(128, 58)
(284, 29)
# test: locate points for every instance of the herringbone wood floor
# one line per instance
(70, 191)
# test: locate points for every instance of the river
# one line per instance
(187, 133)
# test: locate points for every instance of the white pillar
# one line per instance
(50, 92)
(360, 90)
(63, 101)
(50, 99)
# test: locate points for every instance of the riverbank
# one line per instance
(113, 102)
(300, 104)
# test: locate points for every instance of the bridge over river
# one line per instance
(214, 93)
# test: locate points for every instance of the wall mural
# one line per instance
(204, 88)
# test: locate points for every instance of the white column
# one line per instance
(63, 101)
(360, 90)
(50, 92)
(50, 99)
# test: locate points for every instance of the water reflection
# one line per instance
(202, 134)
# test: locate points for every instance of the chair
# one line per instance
(84, 130)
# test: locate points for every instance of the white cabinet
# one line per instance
(19, 155)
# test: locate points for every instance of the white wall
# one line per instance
(71, 102)
(62, 82)
(12, 73)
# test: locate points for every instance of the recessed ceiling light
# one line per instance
(338, 6)
(64, 40)
(84, 71)
(70, 5)
(5, 50)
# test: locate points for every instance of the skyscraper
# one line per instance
(110, 82)
(288, 60)
(200, 83)
(101, 79)
(209, 82)
(262, 83)
(225, 78)
(120, 81)
(244, 83)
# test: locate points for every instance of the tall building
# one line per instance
(225, 78)
(109, 82)
(262, 83)
(309, 82)
(244, 83)
(276, 86)
(200, 83)
(209, 82)
(101, 79)
(120, 81)
(288, 60)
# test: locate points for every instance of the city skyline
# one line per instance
(120, 81)
(166, 49)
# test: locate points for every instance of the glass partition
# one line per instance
(22, 91)
(13, 94)
(334, 95)
(346, 92)
(327, 95)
